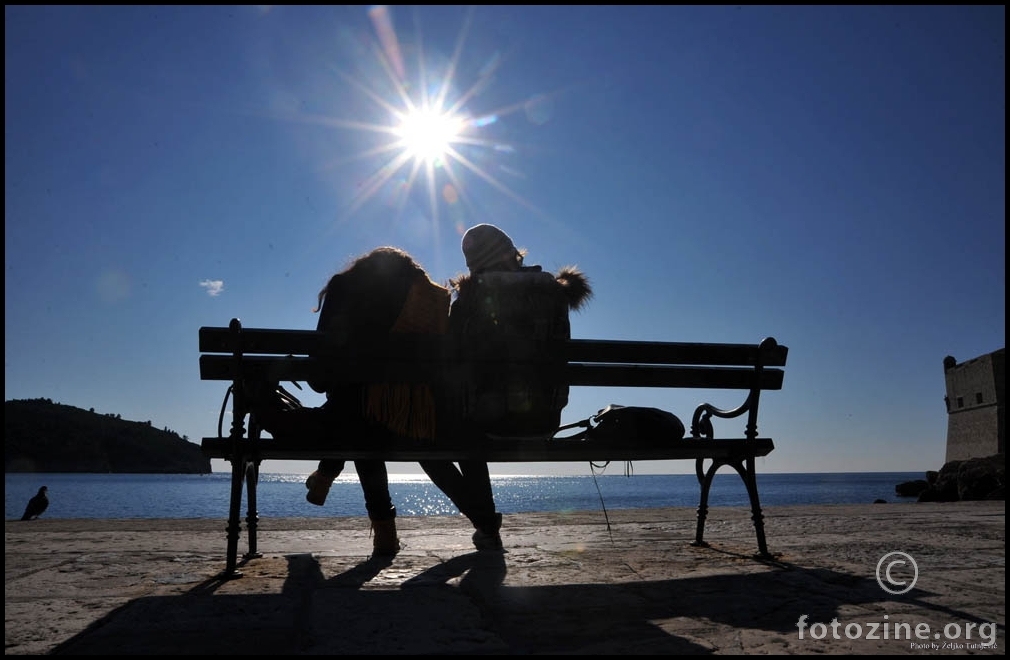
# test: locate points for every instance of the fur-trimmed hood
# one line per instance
(573, 282)
(576, 286)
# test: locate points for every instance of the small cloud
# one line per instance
(214, 287)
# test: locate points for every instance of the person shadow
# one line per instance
(404, 605)
(480, 574)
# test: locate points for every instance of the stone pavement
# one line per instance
(565, 585)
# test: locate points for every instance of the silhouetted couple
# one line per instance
(385, 293)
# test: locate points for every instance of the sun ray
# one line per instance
(398, 85)
(408, 105)
(408, 185)
(432, 195)
(450, 73)
(497, 185)
(362, 155)
(431, 138)
(379, 178)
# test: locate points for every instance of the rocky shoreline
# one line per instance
(958, 481)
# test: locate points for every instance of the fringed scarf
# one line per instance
(408, 409)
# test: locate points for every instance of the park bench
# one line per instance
(249, 358)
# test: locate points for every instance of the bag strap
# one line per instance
(585, 424)
(288, 399)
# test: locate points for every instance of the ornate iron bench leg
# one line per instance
(252, 516)
(705, 480)
(749, 475)
(746, 469)
(238, 471)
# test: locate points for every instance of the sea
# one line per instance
(112, 496)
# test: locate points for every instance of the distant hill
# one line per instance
(42, 436)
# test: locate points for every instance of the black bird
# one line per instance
(36, 505)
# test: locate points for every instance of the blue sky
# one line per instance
(832, 177)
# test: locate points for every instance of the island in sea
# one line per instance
(43, 436)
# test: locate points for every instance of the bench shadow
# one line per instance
(462, 606)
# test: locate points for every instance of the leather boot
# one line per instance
(488, 535)
(384, 539)
(319, 483)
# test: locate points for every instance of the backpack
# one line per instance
(513, 314)
(628, 425)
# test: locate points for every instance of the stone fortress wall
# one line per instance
(976, 401)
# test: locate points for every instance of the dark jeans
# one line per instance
(323, 421)
(374, 484)
(469, 488)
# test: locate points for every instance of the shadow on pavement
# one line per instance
(462, 606)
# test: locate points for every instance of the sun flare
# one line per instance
(432, 140)
(427, 134)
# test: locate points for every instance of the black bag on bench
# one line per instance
(628, 424)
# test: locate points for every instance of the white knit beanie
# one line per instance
(485, 246)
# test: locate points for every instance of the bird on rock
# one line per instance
(36, 505)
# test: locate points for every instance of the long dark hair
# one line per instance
(372, 275)
(367, 300)
(364, 300)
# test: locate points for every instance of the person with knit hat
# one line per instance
(488, 250)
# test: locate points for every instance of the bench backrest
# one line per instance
(235, 353)
(241, 355)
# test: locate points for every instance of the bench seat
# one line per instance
(497, 450)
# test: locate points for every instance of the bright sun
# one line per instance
(435, 142)
(427, 134)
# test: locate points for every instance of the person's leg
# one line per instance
(319, 482)
(375, 487)
(449, 479)
(478, 481)
(484, 517)
(469, 488)
(331, 466)
(318, 422)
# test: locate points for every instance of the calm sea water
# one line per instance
(283, 495)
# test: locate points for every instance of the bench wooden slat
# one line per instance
(500, 450)
(651, 352)
(722, 378)
(351, 369)
(354, 369)
(306, 342)
(253, 341)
